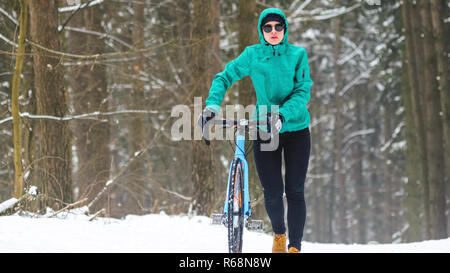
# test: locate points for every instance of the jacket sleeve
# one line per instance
(234, 71)
(292, 107)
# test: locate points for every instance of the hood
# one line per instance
(263, 15)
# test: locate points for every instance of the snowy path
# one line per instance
(157, 233)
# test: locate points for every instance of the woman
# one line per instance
(280, 75)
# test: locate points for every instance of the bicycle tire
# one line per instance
(235, 208)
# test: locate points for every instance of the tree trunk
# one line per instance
(89, 94)
(29, 128)
(331, 202)
(247, 35)
(433, 129)
(184, 30)
(315, 192)
(338, 127)
(15, 93)
(322, 181)
(317, 165)
(203, 167)
(375, 196)
(438, 12)
(413, 168)
(137, 173)
(419, 109)
(360, 192)
(387, 179)
(54, 157)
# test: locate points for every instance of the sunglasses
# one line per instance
(268, 28)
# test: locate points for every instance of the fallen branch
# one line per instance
(70, 206)
(10, 203)
(97, 214)
(187, 198)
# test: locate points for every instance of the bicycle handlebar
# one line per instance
(242, 124)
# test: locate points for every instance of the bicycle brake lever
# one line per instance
(205, 135)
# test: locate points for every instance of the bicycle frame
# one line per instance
(239, 154)
(242, 192)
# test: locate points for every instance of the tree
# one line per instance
(55, 169)
(360, 189)
(422, 66)
(203, 169)
(419, 109)
(410, 92)
(439, 10)
(433, 128)
(338, 127)
(137, 173)
(89, 94)
(23, 22)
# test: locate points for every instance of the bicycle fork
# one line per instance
(239, 158)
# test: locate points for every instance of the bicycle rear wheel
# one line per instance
(235, 208)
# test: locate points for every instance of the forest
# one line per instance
(88, 90)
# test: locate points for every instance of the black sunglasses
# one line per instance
(268, 28)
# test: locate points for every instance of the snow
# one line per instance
(75, 5)
(33, 190)
(7, 204)
(72, 232)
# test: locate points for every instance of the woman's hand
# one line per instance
(202, 121)
(275, 120)
(205, 116)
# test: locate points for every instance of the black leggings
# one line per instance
(296, 146)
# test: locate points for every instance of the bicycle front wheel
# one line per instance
(235, 208)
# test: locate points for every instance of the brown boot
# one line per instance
(279, 243)
(293, 250)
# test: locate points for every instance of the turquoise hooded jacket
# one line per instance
(280, 75)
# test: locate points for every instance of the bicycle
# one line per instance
(237, 205)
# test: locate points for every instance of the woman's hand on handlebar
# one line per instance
(206, 116)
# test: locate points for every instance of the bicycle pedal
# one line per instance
(257, 225)
(216, 219)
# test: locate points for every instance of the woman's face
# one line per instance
(273, 37)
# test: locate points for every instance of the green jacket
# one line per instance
(280, 75)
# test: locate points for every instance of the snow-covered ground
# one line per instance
(73, 232)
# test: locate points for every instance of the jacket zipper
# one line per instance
(273, 47)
